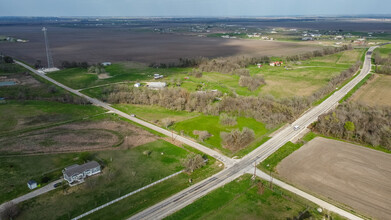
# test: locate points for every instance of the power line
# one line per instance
(48, 53)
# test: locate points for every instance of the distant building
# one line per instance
(339, 37)
(277, 63)
(2, 100)
(137, 85)
(77, 173)
(307, 38)
(157, 76)
(259, 65)
(156, 85)
(106, 63)
(31, 184)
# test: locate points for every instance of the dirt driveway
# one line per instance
(349, 174)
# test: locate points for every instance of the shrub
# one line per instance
(236, 139)
(227, 120)
(192, 162)
(167, 122)
(252, 83)
(202, 135)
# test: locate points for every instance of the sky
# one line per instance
(193, 8)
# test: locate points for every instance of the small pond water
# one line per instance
(7, 83)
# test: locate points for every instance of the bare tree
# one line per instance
(236, 139)
(192, 162)
(167, 122)
(10, 211)
(227, 120)
(202, 135)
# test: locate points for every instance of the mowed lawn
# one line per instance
(212, 125)
(123, 171)
(377, 92)
(79, 78)
(244, 199)
(17, 115)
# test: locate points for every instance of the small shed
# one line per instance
(137, 85)
(106, 63)
(31, 184)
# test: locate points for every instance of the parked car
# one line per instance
(296, 127)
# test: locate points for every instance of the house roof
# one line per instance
(77, 169)
(31, 182)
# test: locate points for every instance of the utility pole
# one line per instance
(48, 53)
(255, 170)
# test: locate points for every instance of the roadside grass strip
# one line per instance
(125, 196)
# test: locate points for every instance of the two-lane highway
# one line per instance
(189, 195)
(234, 168)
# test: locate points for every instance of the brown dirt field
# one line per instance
(120, 44)
(79, 136)
(349, 174)
(377, 92)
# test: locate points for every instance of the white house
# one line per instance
(31, 184)
(137, 85)
(77, 173)
(106, 63)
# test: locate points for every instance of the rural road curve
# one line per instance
(234, 168)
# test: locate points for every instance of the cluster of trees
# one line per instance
(171, 98)
(227, 120)
(236, 139)
(363, 124)
(98, 69)
(229, 65)
(383, 64)
(263, 108)
(266, 109)
(319, 53)
(202, 135)
(192, 162)
(6, 59)
(252, 83)
(74, 64)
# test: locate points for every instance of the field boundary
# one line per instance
(125, 196)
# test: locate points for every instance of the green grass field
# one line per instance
(305, 77)
(385, 50)
(213, 126)
(78, 78)
(15, 171)
(17, 115)
(242, 199)
(155, 113)
(124, 171)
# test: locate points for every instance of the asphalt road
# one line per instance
(233, 168)
(246, 164)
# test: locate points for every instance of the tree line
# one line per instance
(359, 123)
(265, 109)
